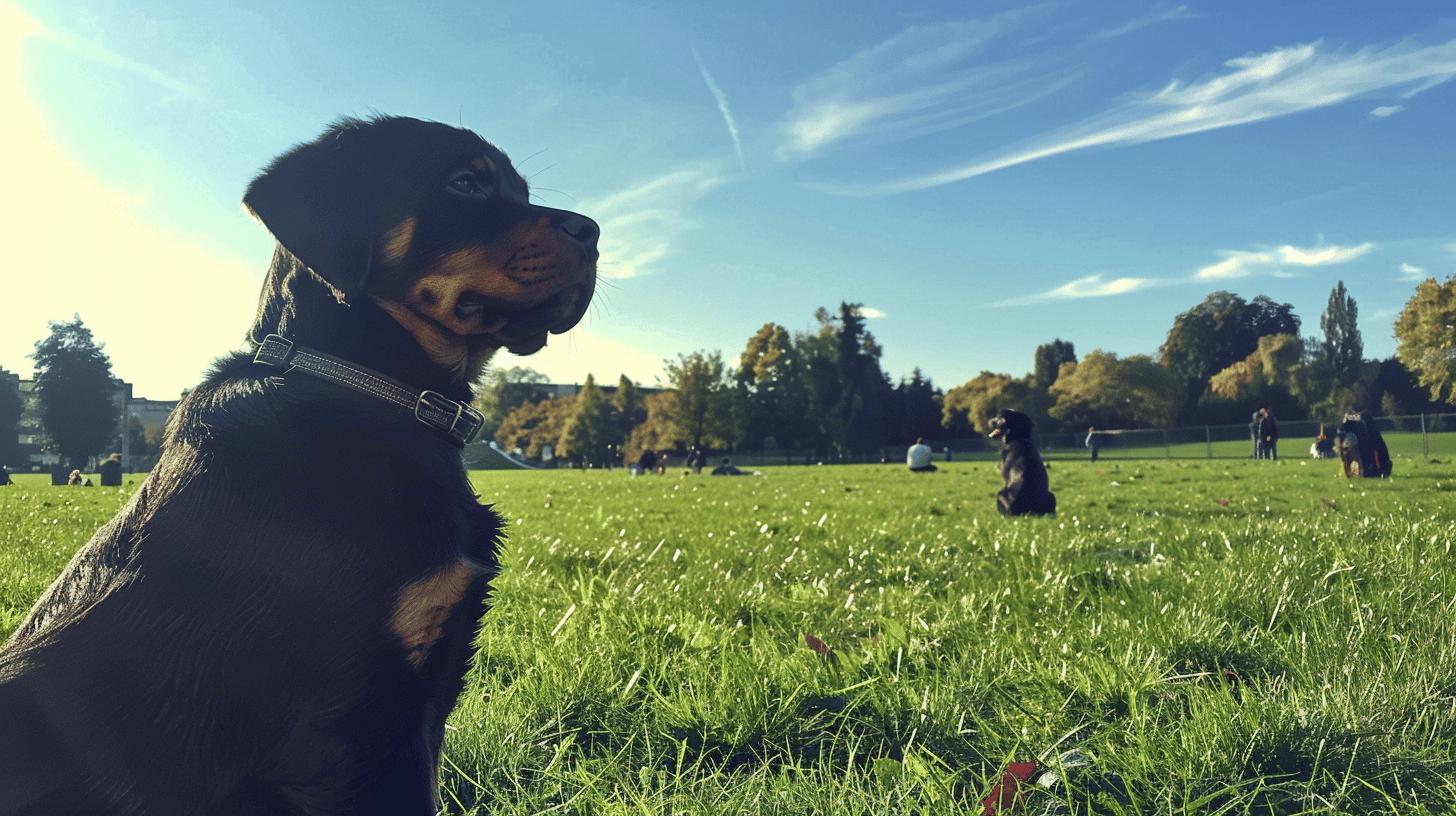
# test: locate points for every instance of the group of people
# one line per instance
(652, 461)
(1264, 432)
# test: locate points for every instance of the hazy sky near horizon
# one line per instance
(983, 177)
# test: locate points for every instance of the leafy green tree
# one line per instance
(1107, 391)
(533, 426)
(701, 401)
(1425, 334)
(1218, 332)
(11, 407)
(659, 430)
(1342, 350)
(590, 428)
(503, 391)
(1274, 363)
(773, 389)
(1048, 360)
(74, 392)
(1274, 375)
(978, 400)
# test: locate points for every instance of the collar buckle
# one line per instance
(457, 420)
(274, 351)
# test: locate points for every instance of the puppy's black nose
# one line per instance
(582, 230)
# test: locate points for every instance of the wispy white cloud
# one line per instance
(1092, 286)
(722, 100)
(1386, 110)
(872, 313)
(640, 223)
(1238, 263)
(95, 51)
(1256, 88)
(1411, 272)
(918, 81)
(1152, 18)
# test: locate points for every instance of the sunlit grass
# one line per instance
(1224, 637)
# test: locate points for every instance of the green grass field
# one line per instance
(1185, 637)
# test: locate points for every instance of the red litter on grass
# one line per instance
(820, 647)
(1005, 793)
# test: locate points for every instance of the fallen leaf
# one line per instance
(1005, 793)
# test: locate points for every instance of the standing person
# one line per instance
(4, 476)
(917, 458)
(1254, 431)
(1094, 441)
(1268, 434)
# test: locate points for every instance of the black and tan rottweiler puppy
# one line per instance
(252, 634)
(1027, 490)
(1363, 452)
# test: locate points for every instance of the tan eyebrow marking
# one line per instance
(397, 241)
(484, 164)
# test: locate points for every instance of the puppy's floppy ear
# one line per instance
(315, 203)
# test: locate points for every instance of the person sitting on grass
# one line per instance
(917, 458)
(1323, 446)
(726, 468)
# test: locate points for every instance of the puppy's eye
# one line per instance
(467, 183)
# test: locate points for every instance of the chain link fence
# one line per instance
(1425, 436)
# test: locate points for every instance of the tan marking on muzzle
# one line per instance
(422, 607)
(398, 240)
(470, 269)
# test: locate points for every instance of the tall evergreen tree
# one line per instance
(1342, 350)
(627, 407)
(589, 429)
(917, 410)
(864, 391)
(74, 392)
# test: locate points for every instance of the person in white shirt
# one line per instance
(917, 458)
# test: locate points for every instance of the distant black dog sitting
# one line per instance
(1363, 452)
(1027, 490)
(252, 634)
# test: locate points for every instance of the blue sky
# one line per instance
(983, 177)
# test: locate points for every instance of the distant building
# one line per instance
(152, 414)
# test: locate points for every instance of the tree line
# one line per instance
(824, 389)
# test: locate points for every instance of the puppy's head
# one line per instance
(433, 224)
(1010, 425)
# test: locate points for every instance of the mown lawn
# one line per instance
(1185, 637)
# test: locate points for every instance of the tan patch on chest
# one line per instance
(422, 607)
